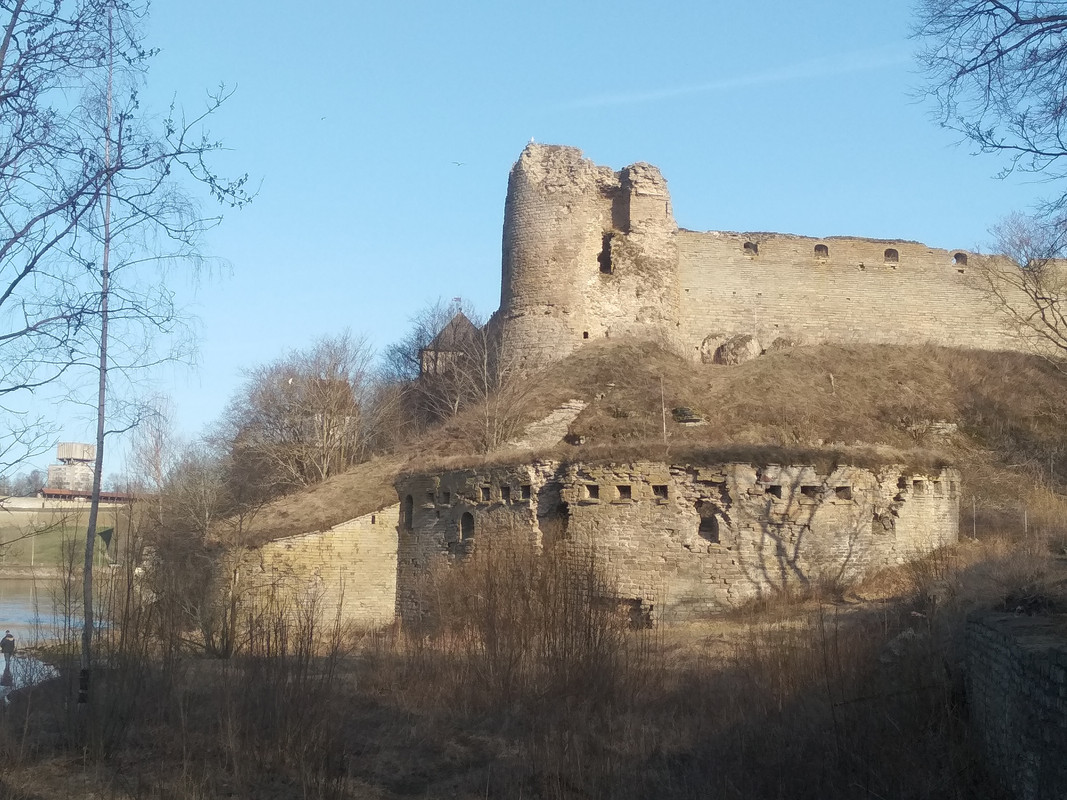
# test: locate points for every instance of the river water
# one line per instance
(27, 609)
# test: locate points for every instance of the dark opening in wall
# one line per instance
(822, 251)
(585, 334)
(373, 519)
(407, 509)
(659, 491)
(843, 492)
(524, 491)
(592, 491)
(446, 498)
(775, 490)
(811, 492)
(606, 267)
(891, 256)
(960, 259)
(935, 486)
(485, 494)
(902, 482)
(505, 493)
(430, 498)
(709, 523)
(466, 526)
(751, 249)
(625, 492)
(919, 487)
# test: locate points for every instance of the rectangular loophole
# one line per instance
(843, 492)
(775, 490)
(505, 493)
(919, 487)
(524, 491)
(430, 498)
(485, 494)
(811, 492)
(625, 491)
(936, 487)
(446, 498)
(659, 490)
(592, 491)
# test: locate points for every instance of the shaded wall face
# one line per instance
(1017, 700)
(688, 539)
(782, 287)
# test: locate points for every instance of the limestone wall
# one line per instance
(351, 567)
(780, 287)
(1017, 697)
(589, 253)
(683, 539)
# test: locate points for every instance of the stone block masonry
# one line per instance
(589, 253)
(681, 539)
(1017, 697)
(350, 568)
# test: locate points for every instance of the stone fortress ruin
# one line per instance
(679, 539)
(590, 253)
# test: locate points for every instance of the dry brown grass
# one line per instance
(824, 405)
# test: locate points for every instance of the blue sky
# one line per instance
(774, 116)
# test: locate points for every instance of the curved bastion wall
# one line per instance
(676, 538)
(590, 253)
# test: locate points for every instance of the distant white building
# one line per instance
(75, 468)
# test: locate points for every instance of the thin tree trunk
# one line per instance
(101, 397)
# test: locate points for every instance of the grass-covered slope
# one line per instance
(855, 403)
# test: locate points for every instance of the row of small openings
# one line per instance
(891, 255)
(505, 493)
(812, 492)
(624, 491)
(920, 487)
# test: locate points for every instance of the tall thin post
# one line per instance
(663, 409)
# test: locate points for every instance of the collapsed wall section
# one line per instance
(587, 253)
(678, 538)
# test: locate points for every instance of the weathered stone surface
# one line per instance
(738, 350)
(590, 253)
(350, 568)
(682, 539)
(1017, 699)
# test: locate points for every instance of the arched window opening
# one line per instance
(822, 251)
(466, 526)
(751, 249)
(407, 511)
(960, 259)
(891, 256)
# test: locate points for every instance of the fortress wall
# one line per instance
(853, 295)
(1017, 699)
(351, 568)
(683, 539)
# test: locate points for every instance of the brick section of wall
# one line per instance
(853, 295)
(1017, 693)
(684, 539)
(350, 567)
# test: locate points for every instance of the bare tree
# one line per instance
(301, 418)
(1027, 281)
(998, 71)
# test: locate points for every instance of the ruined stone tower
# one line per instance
(588, 253)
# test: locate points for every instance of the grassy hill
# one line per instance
(996, 416)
